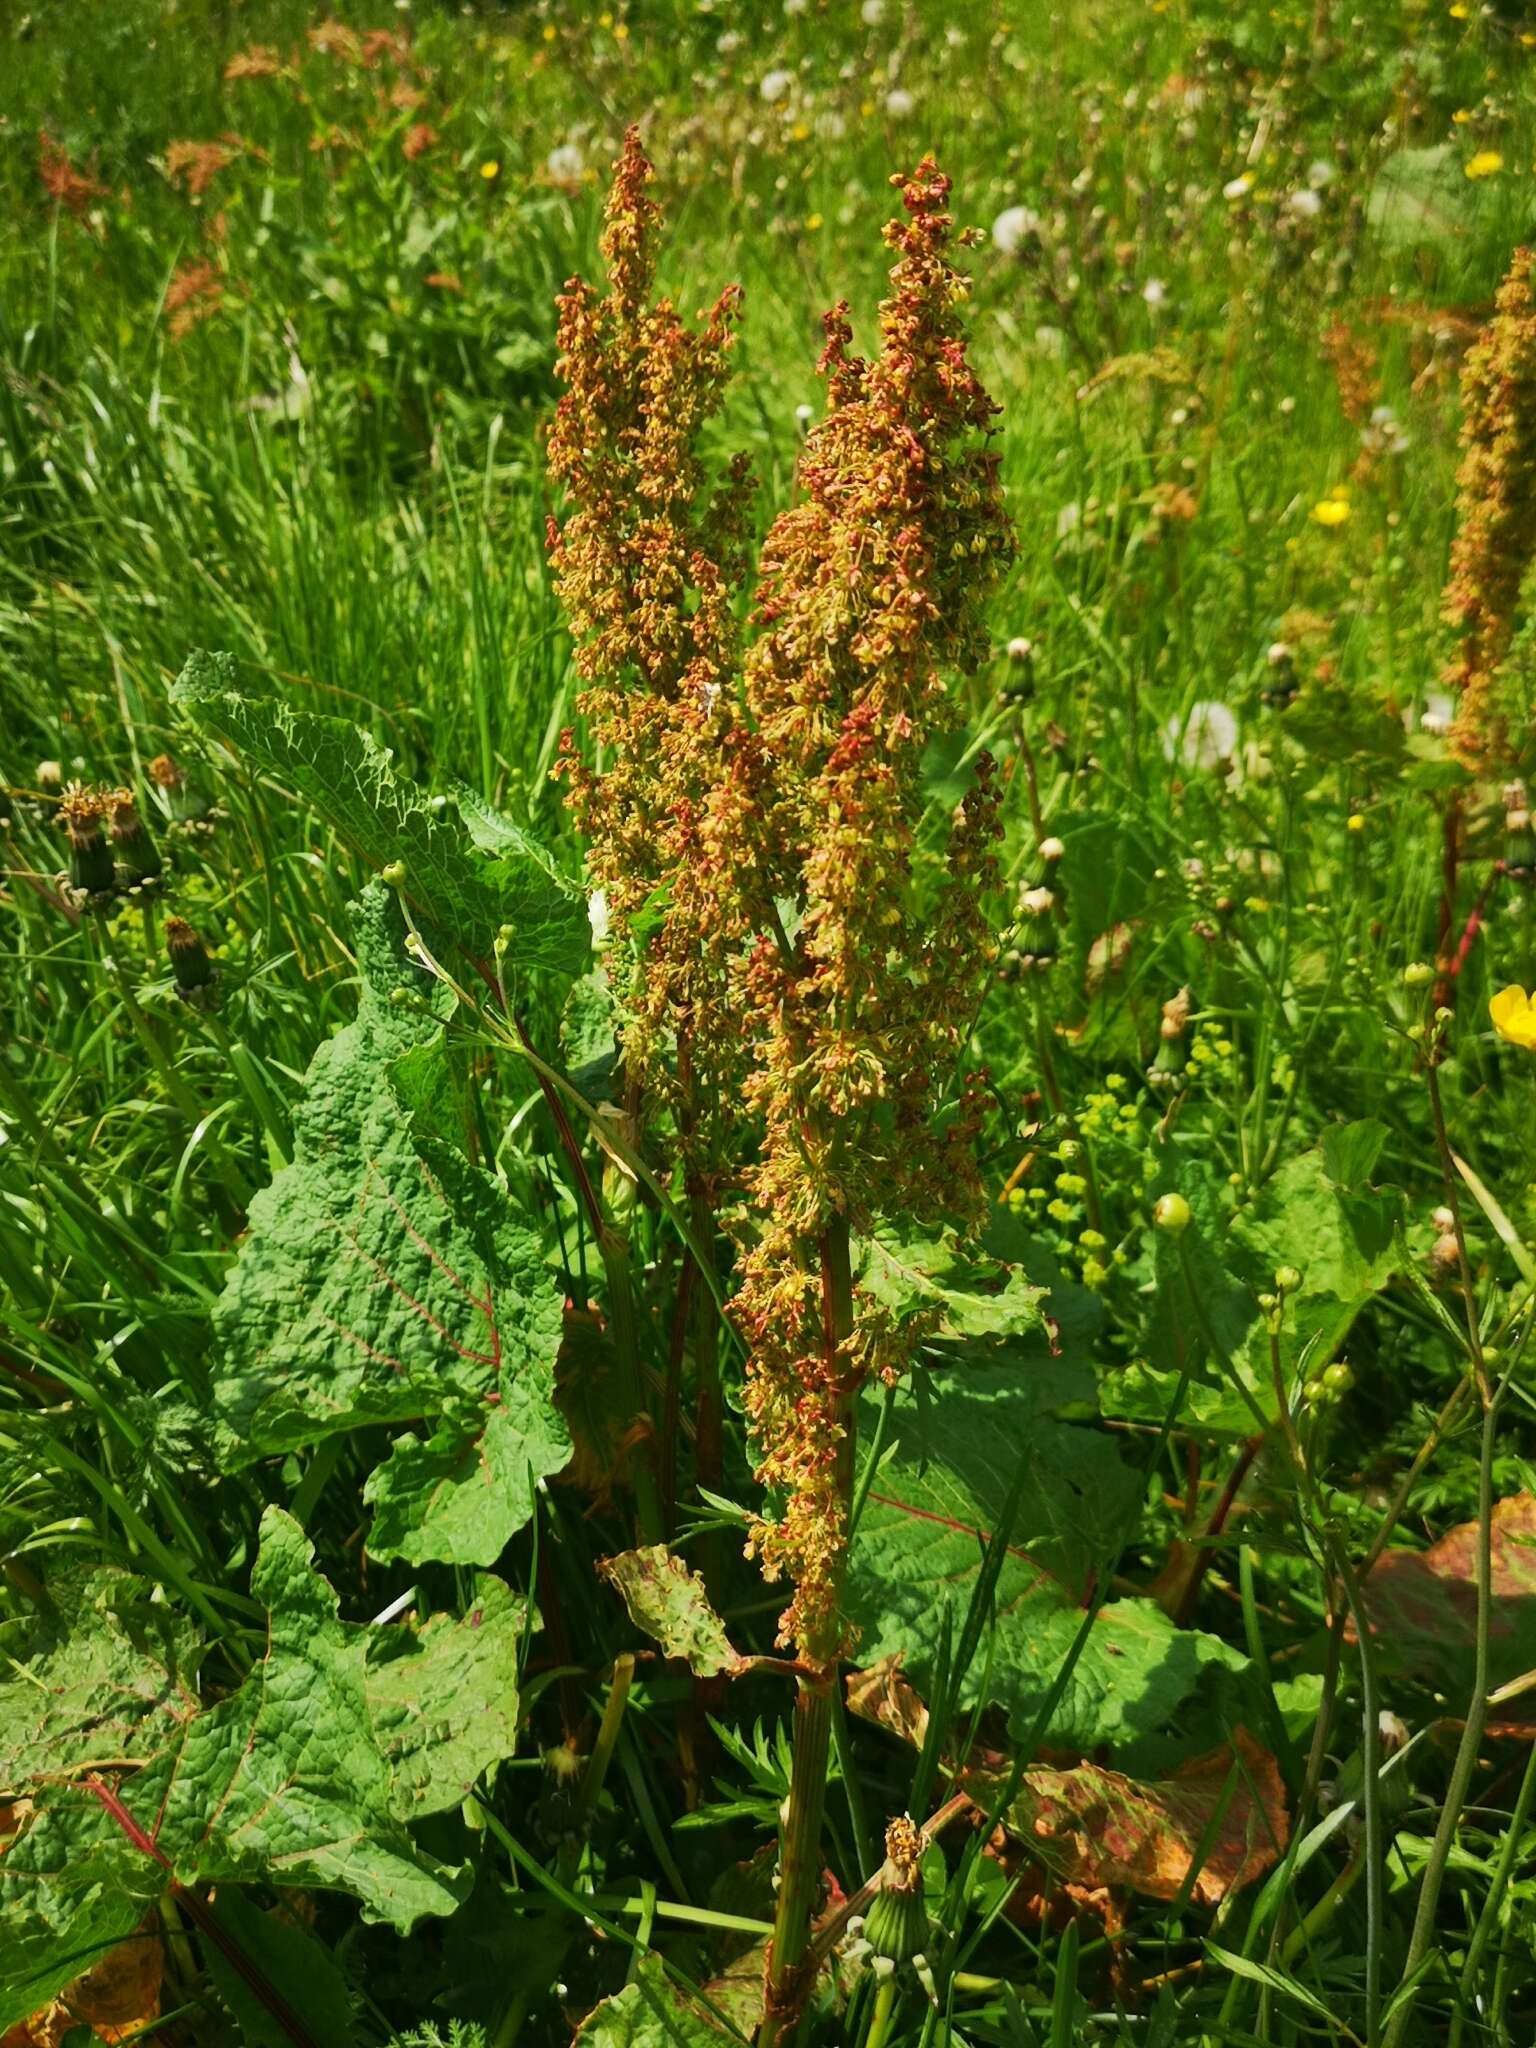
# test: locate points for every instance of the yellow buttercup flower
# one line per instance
(490, 170)
(1514, 1017)
(1331, 511)
(1484, 164)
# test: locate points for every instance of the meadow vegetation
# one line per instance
(766, 1086)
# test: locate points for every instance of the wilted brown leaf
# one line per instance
(115, 1998)
(1423, 1603)
(882, 1695)
(1094, 1827)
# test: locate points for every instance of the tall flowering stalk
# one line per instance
(871, 588)
(1495, 543)
(796, 946)
(648, 564)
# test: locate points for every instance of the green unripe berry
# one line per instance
(1171, 1214)
(393, 872)
(1338, 1379)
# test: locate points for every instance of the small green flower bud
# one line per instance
(1287, 1279)
(1171, 1214)
(392, 872)
(1418, 974)
(1338, 1379)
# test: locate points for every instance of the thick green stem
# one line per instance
(613, 1246)
(800, 1848)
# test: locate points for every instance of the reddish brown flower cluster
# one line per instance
(871, 588)
(195, 165)
(647, 566)
(1495, 541)
(256, 60)
(762, 860)
(193, 295)
(75, 190)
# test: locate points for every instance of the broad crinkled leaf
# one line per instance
(467, 892)
(946, 1470)
(932, 1282)
(1422, 1604)
(653, 2012)
(383, 1278)
(459, 1495)
(306, 1775)
(671, 1604)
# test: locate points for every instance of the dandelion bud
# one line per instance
(137, 856)
(1281, 684)
(185, 802)
(190, 964)
(81, 812)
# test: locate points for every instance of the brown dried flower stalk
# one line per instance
(1496, 532)
(647, 565)
(700, 821)
(872, 586)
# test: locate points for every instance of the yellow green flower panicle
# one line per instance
(1514, 1017)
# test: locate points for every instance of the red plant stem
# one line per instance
(202, 1916)
(1450, 863)
(1473, 925)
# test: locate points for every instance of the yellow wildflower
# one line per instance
(490, 170)
(1332, 510)
(1485, 164)
(1514, 1017)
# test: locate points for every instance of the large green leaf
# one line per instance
(123, 1777)
(458, 1495)
(384, 1278)
(946, 1469)
(468, 880)
(936, 1285)
(1320, 1215)
(653, 2012)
